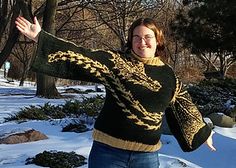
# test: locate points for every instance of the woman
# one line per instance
(139, 89)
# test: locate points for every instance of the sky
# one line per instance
(13, 98)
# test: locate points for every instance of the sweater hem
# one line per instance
(124, 144)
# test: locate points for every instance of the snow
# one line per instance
(13, 98)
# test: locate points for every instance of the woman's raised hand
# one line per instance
(28, 29)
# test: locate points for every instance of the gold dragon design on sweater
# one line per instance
(135, 73)
(103, 73)
(186, 113)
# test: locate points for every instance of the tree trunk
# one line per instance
(45, 84)
(24, 73)
(23, 76)
(3, 17)
(13, 35)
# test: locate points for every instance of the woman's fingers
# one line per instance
(20, 28)
(209, 142)
(20, 22)
(210, 145)
(21, 25)
(24, 21)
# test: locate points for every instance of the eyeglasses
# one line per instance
(146, 38)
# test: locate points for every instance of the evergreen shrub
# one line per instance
(72, 108)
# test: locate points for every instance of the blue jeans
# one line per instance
(104, 156)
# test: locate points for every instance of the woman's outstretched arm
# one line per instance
(186, 122)
(60, 58)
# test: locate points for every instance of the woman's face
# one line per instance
(144, 42)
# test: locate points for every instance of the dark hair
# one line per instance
(151, 24)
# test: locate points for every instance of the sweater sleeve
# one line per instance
(185, 121)
(59, 58)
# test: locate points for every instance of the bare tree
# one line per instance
(118, 15)
(9, 10)
(75, 23)
(23, 51)
(45, 84)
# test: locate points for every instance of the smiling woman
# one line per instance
(144, 43)
(140, 88)
(145, 38)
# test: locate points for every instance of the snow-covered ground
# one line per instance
(13, 97)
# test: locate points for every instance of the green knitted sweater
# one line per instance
(138, 93)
